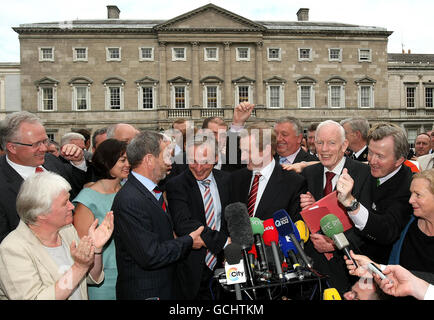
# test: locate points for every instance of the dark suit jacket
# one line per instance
(10, 183)
(391, 214)
(188, 213)
(336, 267)
(146, 250)
(282, 192)
(231, 160)
(362, 157)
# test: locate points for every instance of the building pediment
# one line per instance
(275, 79)
(146, 80)
(243, 79)
(365, 80)
(179, 79)
(211, 79)
(209, 18)
(46, 81)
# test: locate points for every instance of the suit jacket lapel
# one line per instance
(196, 195)
(12, 177)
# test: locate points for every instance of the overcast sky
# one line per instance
(411, 20)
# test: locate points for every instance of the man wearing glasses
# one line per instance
(26, 144)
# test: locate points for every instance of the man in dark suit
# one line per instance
(276, 188)
(289, 133)
(331, 145)
(26, 144)
(187, 197)
(382, 222)
(146, 249)
(356, 132)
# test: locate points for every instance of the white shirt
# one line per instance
(263, 180)
(361, 217)
(23, 171)
(337, 171)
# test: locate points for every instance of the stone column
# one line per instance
(195, 74)
(227, 100)
(259, 76)
(162, 46)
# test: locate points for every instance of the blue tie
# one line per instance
(283, 160)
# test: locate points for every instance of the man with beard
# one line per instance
(146, 249)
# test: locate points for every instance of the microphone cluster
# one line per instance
(263, 254)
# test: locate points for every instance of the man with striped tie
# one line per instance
(264, 186)
(198, 197)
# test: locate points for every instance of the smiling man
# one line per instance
(26, 144)
(198, 197)
(321, 179)
(289, 133)
(382, 222)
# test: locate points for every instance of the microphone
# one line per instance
(331, 294)
(234, 268)
(332, 227)
(285, 227)
(258, 231)
(303, 231)
(240, 231)
(289, 251)
(271, 238)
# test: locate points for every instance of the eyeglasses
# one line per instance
(34, 145)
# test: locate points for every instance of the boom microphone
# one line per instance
(303, 230)
(234, 267)
(258, 231)
(240, 231)
(285, 227)
(332, 227)
(271, 238)
(289, 251)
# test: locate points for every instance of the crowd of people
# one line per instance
(138, 214)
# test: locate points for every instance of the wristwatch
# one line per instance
(353, 205)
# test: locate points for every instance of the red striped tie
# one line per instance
(210, 258)
(252, 195)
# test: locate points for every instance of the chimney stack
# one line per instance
(303, 14)
(113, 12)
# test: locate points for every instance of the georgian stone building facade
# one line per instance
(89, 74)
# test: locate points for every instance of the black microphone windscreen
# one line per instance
(238, 222)
(233, 253)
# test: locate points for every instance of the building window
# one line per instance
(274, 54)
(81, 98)
(243, 54)
(179, 54)
(47, 96)
(304, 54)
(366, 97)
(46, 54)
(335, 54)
(211, 54)
(180, 97)
(211, 96)
(79, 54)
(365, 55)
(275, 96)
(306, 96)
(429, 97)
(146, 54)
(336, 97)
(243, 93)
(147, 97)
(115, 98)
(114, 93)
(411, 97)
(113, 54)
